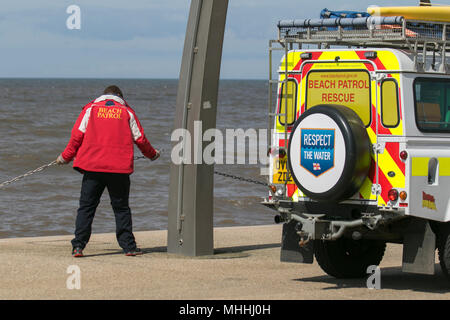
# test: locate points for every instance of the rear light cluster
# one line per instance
(403, 195)
(404, 155)
(394, 195)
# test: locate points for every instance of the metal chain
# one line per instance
(226, 175)
(29, 173)
(229, 176)
(242, 178)
(144, 157)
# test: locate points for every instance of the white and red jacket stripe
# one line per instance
(103, 137)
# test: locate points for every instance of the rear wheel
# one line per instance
(347, 258)
(443, 244)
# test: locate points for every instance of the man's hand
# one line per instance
(158, 153)
(60, 160)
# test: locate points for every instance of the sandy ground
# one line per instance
(246, 265)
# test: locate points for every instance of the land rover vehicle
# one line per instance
(360, 150)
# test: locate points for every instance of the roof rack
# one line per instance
(394, 32)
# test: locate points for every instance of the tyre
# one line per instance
(347, 258)
(329, 153)
(443, 245)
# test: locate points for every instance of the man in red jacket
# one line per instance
(102, 143)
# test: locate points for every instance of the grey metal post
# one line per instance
(190, 225)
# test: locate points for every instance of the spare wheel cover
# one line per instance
(329, 153)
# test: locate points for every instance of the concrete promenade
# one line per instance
(246, 265)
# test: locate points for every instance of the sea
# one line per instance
(37, 116)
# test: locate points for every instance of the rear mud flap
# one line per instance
(419, 248)
(290, 248)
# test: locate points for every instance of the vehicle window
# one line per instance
(349, 88)
(390, 117)
(432, 104)
(290, 100)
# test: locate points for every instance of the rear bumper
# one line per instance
(341, 211)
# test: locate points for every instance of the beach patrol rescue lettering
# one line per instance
(109, 113)
(340, 87)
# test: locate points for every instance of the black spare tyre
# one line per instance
(329, 153)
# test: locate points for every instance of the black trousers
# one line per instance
(92, 187)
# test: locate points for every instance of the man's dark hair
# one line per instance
(115, 90)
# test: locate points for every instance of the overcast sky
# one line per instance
(141, 38)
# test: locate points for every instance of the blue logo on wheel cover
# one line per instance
(317, 150)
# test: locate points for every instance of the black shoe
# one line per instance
(77, 252)
(135, 252)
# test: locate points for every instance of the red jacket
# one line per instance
(103, 136)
